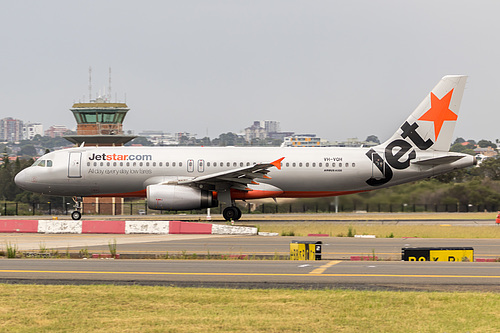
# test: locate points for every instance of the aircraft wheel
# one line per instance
(76, 215)
(231, 213)
(238, 216)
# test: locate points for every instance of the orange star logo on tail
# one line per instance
(439, 112)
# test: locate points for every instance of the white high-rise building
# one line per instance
(32, 129)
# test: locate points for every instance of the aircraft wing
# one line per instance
(238, 178)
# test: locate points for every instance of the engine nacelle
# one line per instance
(178, 197)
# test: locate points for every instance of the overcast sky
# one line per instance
(339, 69)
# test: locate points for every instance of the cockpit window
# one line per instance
(43, 163)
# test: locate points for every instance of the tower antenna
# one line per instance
(109, 89)
(90, 83)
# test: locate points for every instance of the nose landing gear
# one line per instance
(76, 214)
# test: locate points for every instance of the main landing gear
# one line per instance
(76, 214)
(231, 213)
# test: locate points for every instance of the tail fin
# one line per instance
(431, 125)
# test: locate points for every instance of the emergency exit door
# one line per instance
(75, 165)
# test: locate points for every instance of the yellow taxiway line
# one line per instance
(254, 274)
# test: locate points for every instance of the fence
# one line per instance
(140, 208)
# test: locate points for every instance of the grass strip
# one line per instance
(381, 231)
(50, 308)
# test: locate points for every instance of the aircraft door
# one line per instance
(378, 166)
(75, 165)
(190, 165)
(201, 165)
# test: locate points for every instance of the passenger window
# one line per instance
(134, 164)
(140, 164)
(287, 164)
(320, 164)
(95, 163)
(333, 165)
(241, 164)
(114, 163)
(154, 164)
(221, 164)
(234, 164)
(108, 163)
(88, 163)
(128, 163)
(167, 164)
(121, 164)
(314, 164)
(208, 164)
(147, 164)
(248, 163)
(228, 164)
(347, 165)
(327, 165)
(173, 164)
(293, 164)
(300, 164)
(353, 164)
(160, 164)
(340, 165)
(307, 164)
(102, 163)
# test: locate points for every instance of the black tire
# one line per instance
(231, 213)
(76, 215)
(238, 216)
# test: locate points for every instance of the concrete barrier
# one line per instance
(23, 226)
(147, 227)
(218, 229)
(59, 227)
(121, 227)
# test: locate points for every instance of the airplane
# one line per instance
(185, 178)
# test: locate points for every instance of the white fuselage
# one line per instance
(305, 172)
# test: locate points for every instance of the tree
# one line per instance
(372, 138)
(490, 168)
(140, 141)
(28, 150)
(486, 144)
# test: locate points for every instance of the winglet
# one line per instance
(277, 163)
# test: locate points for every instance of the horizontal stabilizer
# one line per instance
(438, 160)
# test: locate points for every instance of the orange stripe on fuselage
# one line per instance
(136, 194)
(242, 195)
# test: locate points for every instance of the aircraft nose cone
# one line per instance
(21, 179)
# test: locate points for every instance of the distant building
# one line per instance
(263, 129)
(256, 131)
(32, 129)
(55, 131)
(303, 140)
(486, 152)
(311, 140)
(11, 130)
(160, 138)
(353, 142)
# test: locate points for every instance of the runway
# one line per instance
(258, 274)
(334, 271)
(334, 248)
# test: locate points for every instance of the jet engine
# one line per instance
(178, 197)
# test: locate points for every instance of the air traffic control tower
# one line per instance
(99, 123)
